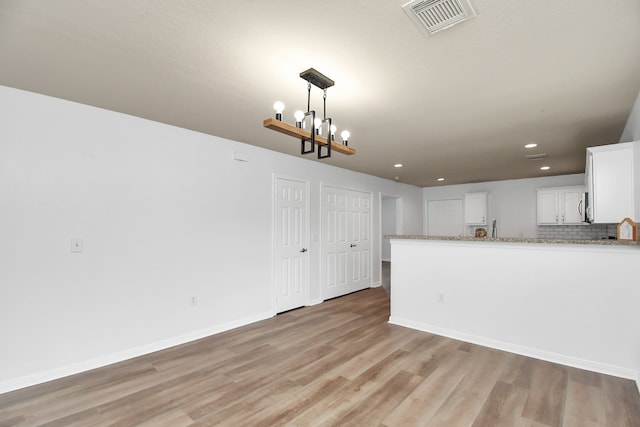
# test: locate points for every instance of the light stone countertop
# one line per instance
(515, 240)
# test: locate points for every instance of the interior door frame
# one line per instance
(323, 186)
(274, 218)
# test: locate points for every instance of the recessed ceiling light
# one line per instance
(532, 145)
(398, 165)
(545, 168)
(396, 178)
(440, 179)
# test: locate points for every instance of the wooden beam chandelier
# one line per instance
(318, 127)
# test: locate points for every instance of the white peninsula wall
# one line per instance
(574, 304)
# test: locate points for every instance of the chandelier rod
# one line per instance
(324, 100)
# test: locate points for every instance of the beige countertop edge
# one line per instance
(515, 240)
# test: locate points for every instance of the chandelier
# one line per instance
(317, 127)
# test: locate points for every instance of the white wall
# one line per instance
(165, 214)
(388, 224)
(570, 304)
(512, 203)
(631, 130)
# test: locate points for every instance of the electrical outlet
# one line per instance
(194, 301)
(440, 297)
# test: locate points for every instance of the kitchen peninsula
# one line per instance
(574, 302)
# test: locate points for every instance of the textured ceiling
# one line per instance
(460, 104)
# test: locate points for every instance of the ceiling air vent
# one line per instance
(541, 156)
(432, 16)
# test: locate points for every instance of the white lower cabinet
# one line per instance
(561, 206)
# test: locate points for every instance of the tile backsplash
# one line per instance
(578, 232)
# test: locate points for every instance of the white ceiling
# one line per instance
(460, 104)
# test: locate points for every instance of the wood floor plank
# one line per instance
(250, 405)
(424, 401)
(584, 406)
(336, 363)
(291, 405)
(622, 405)
(503, 407)
(387, 341)
(585, 377)
(354, 393)
(169, 419)
(370, 410)
(547, 394)
(466, 400)
(517, 371)
(232, 393)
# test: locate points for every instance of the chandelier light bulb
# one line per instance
(279, 107)
(299, 115)
(333, 129)
(345, 137)
(318, 124)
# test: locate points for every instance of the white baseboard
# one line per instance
(561, 359)
(98, 362)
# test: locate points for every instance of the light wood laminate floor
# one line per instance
(338, 363)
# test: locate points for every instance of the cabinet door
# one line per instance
(613, 197)
(588, 177)
(548, 207)
(475, 208)
(573, 207)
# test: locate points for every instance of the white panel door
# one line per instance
(346, 243)
(291, 270)
(359, 269)
(335, 245)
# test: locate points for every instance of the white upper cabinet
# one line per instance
(613, 182)
(561, 206)
(573, 205)
(475, 208)
(548, 207)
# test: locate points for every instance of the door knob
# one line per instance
(304, 250)
(352, 245)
